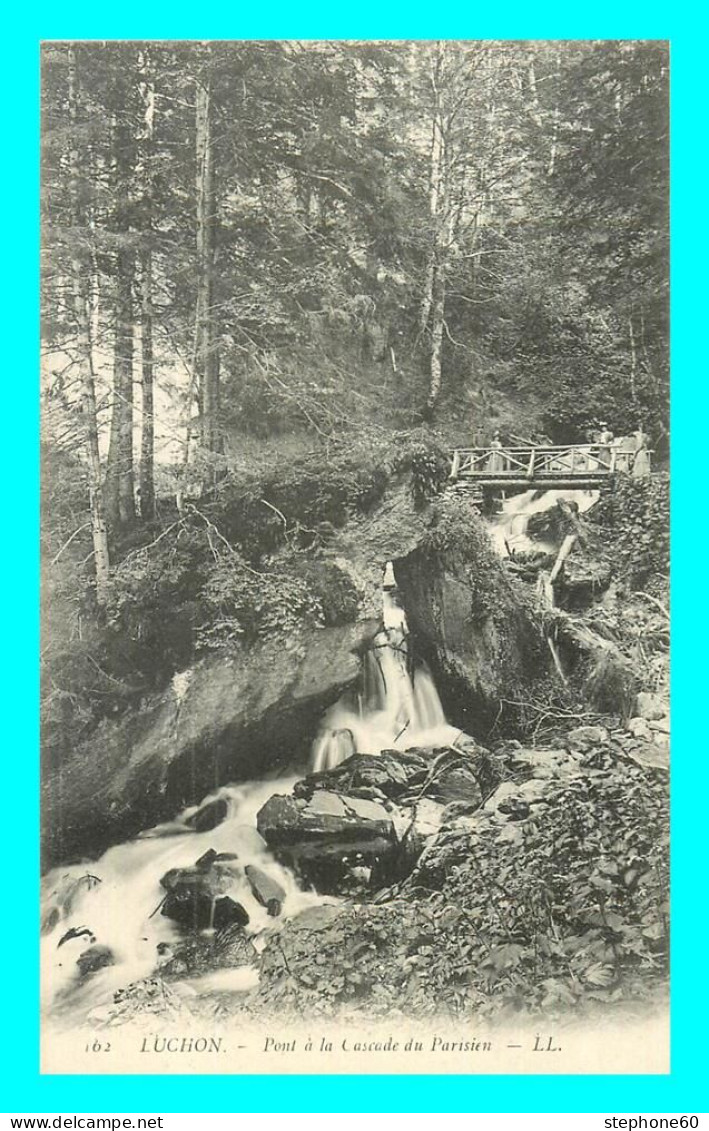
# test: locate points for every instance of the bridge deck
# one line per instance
(583, 466)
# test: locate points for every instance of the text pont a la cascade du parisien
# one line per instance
(347, 1044)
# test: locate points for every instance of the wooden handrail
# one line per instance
(544, 462)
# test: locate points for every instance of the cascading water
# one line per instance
(396, 707)
(509, 527)
(115, 901)
(508, 532)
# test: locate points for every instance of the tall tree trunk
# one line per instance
(437, 324)
(434, 197)
(207, 356)
(120, 495)
(79, 272)
(633, 360)
(432, 308)
(147, 435)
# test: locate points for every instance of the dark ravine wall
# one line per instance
(228, 719)
(481, 647)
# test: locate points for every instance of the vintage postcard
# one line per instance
(355, 556)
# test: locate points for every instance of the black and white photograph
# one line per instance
(355, 556)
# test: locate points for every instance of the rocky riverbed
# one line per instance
(457, 880)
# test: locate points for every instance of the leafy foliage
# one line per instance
(560, 908)
(457, 532)
(633, 525)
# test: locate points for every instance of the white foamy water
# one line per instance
(121, 911)
(509, 527)
(396, 707)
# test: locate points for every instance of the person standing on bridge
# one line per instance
(641, 461)
(605, 439)
(496, 460)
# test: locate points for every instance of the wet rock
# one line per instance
(583, 740)
(93, 959)
(191, 910)
(649, 706)
(326, 818)
(367, 776)
(194, 893)
(327, 835)
(197, 910)
(478, 649)
(212, 875)
(237, 717)
(228, 913)
(209, 816)
(266, 890)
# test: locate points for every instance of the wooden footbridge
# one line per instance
(583, 466)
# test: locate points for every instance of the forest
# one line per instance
(281, 281)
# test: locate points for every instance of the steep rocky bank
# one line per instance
(230, 718)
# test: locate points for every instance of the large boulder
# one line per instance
(472, 626)
(369, 776)
(325, 836)
(197, 896)
(229, 719)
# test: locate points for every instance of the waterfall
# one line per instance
(509, 527)
(396, 705)
(115, 901)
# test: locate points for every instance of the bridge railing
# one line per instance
(546, 461)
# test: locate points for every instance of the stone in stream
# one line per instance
(209, 816)
(195, 894)
(93, 959)
(327, 834)
(266, 890)
(228, 913)
(208, 858)
(196, 910)
(388, 774)
(213, 874)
